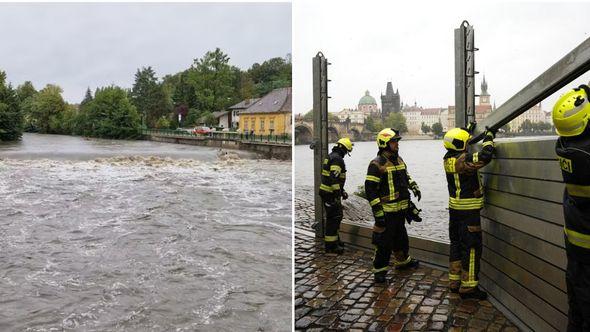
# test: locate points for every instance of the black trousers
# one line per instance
(333, 218)
(395, 238)
(577, 278)
(465, 249)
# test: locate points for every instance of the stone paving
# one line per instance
(336, 292)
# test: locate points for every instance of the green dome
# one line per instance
(367, 99)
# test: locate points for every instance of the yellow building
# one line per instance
(271, 115)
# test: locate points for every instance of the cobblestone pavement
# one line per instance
(337, 293)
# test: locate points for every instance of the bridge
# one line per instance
(336, 129)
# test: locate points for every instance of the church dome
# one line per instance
(367, 99)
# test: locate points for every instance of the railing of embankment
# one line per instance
(523, 262)
(227, 136)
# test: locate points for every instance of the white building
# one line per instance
(355, 116)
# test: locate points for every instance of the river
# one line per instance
(424, 162)
(142, 236)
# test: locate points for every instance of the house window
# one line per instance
(271, 124)
(261, 125)
(253, 123)
(245, 124)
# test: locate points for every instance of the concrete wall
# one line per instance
(267, 150)
(523, 263)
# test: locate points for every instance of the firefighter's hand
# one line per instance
(490, 133)
(471, 127)
(378, 237)
(417, 193)
(344, 195)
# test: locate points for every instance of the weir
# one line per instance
(524, 260)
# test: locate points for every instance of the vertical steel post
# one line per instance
(320, 133)
(464, 75)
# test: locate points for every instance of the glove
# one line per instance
(490, 133)
(417, 193)
(344, 195)
(379, 223)
(413, 213)
(471, 127)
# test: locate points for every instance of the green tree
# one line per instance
(149, 96)
(396, 121)
(271, 74)
(437, 129)
(11, 119)
(111, 115)
(425, 128)
(87, 98)
(192, 118)
(163, 123)
(46, 109)
(25, 91)
(247, 88)
(214, 81)
(526, 126)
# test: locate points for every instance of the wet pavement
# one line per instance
(336, 292)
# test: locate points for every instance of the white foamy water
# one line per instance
(177, 239)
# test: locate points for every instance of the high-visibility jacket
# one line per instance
(463, 180)
(333, 176)
(574, 159)
(387, 184)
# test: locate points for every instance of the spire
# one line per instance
(389, 89)
(484, 87)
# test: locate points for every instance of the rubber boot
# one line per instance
(381, 277)
(333, 248)
(411, 264)
(476, 293)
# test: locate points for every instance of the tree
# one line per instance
(425, 128)
(271, 74)
(111, 115)
(25, 91)
(213, 79)
(87, 98)
(437, 129)
(46, 109)
(149, 96)
(247, 89)
(396, 121)
(526, 126)
(11, 119)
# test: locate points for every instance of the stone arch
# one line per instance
(356, 135)
(333, 134)
(303, 134)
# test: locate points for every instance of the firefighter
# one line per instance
(387, 187)
(570, 117)
(332, 192)
(465, 202)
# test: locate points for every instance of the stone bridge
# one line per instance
(356, 131)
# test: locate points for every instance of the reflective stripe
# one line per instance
(471, 277)
(454, 277)
(457, 185)
(325, 161)
(380, 269)
(325, 172)
(469, 284)
(487, 143)
(475, 157)
(391, 186)
(396, 168)
(379, 213)
(336, 186)
(343, 175)
(403, 262)
(375, 201)
(577, 238)
(466, 203)
(395, 206)
(326, 188)
(372, 178)
(578, 190)
(331, 238)
(335, 168)
(450, 165)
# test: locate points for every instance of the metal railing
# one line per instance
(227, 136)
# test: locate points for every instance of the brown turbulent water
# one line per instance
(140, 236)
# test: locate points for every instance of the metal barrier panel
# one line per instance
(523, 263)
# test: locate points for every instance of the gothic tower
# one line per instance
(484, 96)
(390, 102)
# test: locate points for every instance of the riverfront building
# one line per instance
(270, 115)
(230, 118)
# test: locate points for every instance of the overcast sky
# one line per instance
(411, 44)
(88, 45)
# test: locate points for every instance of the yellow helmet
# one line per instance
(387, 135)
(346, 143)
(456, 139)
(571, 112)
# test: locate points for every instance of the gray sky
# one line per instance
(80, 45)
(411, 44)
